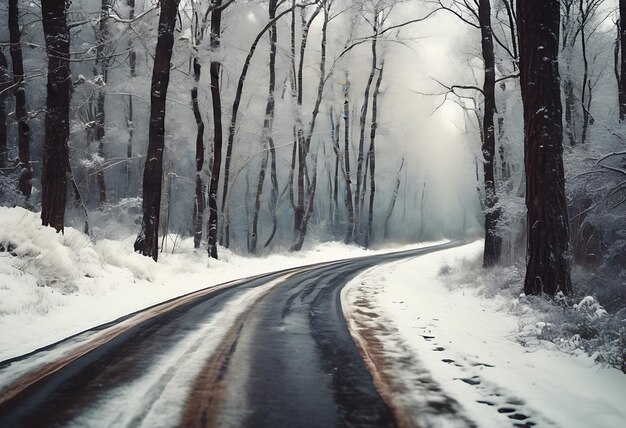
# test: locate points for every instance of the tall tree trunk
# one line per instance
(304, 206)
(548, 258)
(622, 44)
(300, 197)
(583, 97)
(372, 156)
(616, 70)
(132, 64)
(199, 199)
(232, 128)
(392, 203)
(297, 245)
(493, 243)
(4, 90)
(147, 241)
(21, 115)
(57, 122)
(216, 25)
(360, 174)
(334, 202)
(268, 142)
(346, 160)
(100, 74)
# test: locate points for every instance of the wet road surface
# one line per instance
(270, 351)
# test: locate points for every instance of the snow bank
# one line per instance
(54, 285)
(462, 343)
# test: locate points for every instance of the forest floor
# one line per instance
(433, 327)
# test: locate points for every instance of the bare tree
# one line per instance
(305, 197)
(372, 156)
(4, 90)
(548, 258)
(232, 128)
(57, 123)
(359, 192)
(132, 65)
(493, 242)
(23, 130)
(214, 71)
(268, 142)
(147, 241)
(622, 47)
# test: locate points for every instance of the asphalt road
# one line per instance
(286, 359)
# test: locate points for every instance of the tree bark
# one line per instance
(199, 199)
(616, 70)
(57, 122)
(232, 128)
(360, 173)
(304, 205)
(548, 253)
(346, 160)
(372, 156)
(147, 241)
(622, 44)
(132, 64)
(100, 74)
(21, 115)
(493, 243)
(4, 90)
(583, 96)
(300, 197)
(216, 25)
(392, 203)
(268, 142)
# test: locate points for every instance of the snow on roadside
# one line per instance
(55, 285)
(464, 356)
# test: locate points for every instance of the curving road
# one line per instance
(268, 351)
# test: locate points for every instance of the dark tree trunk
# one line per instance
(100, 74)
(147, 242)
(57, 122)
(510, 13)
(622, 44)
(305, 204)
(584, 98)
(372, 156)
(392, 203)
(548, 257)
(334, 202)
(300, 197)
(199, 199)
(232, 128)
(360, 173)
(4, 90)
(493, 242)
(216, 25)
(346, 160)
(132, 64)
(252, 239)
(21, 115)
(616, 70)
(268, 142)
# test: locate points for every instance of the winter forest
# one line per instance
(260, 127)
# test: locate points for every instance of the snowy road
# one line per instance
(273, 350)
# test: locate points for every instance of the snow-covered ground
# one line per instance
(450, 352)
(450, 348)
(55, 285)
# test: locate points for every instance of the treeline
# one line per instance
(95, 86)
(281, 102)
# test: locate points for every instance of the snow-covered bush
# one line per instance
(578, 322)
